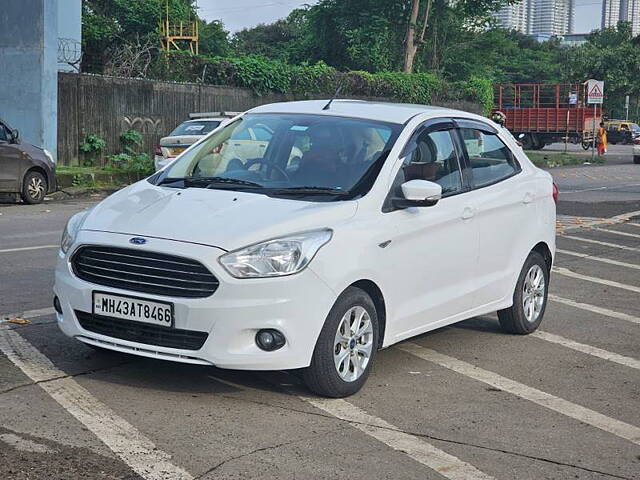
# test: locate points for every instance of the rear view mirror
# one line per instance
(418, 193)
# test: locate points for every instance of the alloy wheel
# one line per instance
(353, 344)
(35, 188)
(533, 293)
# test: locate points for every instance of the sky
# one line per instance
(239, 14)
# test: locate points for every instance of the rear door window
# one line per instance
(489, 158)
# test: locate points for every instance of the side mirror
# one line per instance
(15, 136)
(418, 193)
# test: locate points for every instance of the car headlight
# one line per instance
(71, 230)
(276, 258)
(47, 154)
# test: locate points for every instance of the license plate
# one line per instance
(133, 308)
(175, 151)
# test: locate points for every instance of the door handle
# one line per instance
(467, 213)
(528, 198)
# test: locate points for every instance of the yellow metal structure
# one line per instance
(179, 35)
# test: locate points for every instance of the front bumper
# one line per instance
(296, 305)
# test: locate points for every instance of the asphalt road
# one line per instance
(464, 402)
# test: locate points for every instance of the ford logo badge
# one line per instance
(137, 241)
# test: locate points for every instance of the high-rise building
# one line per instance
(630, 12)
(515, 16)
(542, 18)
(610, 13)
(551, 17)
(614, 11)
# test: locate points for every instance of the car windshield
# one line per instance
(200, 127)
(294, 155)
(634, 127)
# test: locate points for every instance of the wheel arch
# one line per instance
(35, 168)
(373, 290)
(543, 249)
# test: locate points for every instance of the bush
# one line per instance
(91, 147)
(131, 160)
(264, 75)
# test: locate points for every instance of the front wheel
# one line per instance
(34, 188)
(636, 160)
(346, 346)
(529, 298)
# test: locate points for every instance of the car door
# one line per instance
(433, 250)
(505, 209)
(10, 162)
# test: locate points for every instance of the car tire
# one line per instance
(34, 188)
(529, 298)
(340, 366)
(636, 160)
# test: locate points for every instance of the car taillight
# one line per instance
(555, 192)
(158, 151)
(636, 141)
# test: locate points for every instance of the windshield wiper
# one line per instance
(214, 182)
(310, 191)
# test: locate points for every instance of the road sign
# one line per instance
(595, 91)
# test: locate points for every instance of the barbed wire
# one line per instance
(70, 52)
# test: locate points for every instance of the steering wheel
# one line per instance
(270, 167)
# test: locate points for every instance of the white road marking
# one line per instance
(592, 308)
(24, 249)
(421, 451)
(604, 244)
(633, 223)
(544, 399)
(588, 349)
(121, 437)
(568, 273)
(41, 312)
(624, 234)
(599, 259)
(23, 444)
(416, 448)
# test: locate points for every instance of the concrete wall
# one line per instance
(69, 35)
(28, 69)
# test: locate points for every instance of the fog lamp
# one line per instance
(269, 339)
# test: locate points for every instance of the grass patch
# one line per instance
(552, 159)
(80, 170)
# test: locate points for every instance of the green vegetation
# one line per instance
(92, 146)
(131, 160)
(362, 46)
(551, 160)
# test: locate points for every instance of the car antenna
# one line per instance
(328, 105)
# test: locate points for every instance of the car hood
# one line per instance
(220, 218)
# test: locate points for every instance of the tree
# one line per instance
(108, 24)
(412, 40)
(214, 39)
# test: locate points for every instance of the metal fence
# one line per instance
(108, 106)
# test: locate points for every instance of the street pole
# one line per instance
(593, 146)
(626, 107)
(566, 137)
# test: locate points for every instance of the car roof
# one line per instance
(389, 112)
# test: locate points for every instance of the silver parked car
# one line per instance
(186, 134)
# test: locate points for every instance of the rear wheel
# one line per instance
(529, 298)
(34, 187)
(636, 160)
(346, 346)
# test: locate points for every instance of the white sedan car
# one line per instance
(358, 225)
